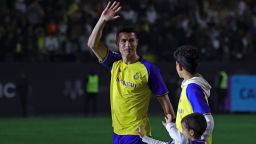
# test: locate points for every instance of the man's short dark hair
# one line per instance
(127, 30)
(188, 57)
(197, 122)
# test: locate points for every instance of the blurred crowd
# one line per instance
(57, 30)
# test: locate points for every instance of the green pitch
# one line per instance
(235, 129)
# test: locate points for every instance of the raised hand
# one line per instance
(111, 10)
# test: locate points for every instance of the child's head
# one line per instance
(193, 125)
(186, 58)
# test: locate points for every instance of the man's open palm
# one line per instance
(111, 10)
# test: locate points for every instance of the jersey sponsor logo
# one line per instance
(130, 84)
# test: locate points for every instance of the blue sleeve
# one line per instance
(197, 99)
(110, 59)
(155, 80)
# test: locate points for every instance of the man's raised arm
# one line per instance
(94, 41)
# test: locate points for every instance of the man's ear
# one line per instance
(180, 67)
(191, 132)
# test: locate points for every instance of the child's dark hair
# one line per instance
(127, 30)
(197, 122)
(188, 57)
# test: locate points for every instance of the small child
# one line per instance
(193, 126)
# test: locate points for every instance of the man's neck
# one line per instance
(187, 76)
(131, 59)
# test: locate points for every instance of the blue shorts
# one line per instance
(126, 139)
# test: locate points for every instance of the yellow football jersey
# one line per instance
(131, 88)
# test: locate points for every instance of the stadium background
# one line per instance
(45, 42)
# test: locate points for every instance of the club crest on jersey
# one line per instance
(136, 76)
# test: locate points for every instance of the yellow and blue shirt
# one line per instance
(131, 88)
(193, 98)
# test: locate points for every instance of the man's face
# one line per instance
(127, 44)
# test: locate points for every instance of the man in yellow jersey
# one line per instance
(195, 89)
(133, 80)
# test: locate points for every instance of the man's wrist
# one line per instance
(102, 20)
